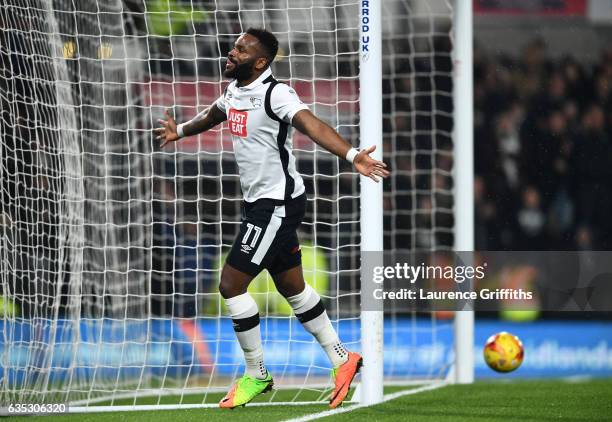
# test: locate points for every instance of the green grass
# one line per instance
(523, 401)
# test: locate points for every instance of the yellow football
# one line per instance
(503, 352)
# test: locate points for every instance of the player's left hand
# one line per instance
(370, 167)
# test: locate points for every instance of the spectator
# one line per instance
(531, 221)
(486, 232)
(543, 151)
(593, 175)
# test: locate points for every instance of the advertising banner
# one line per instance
(171, 348)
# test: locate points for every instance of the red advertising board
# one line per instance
(531, 7)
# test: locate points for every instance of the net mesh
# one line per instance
(112, 248)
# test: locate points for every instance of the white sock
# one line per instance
(245, 317)
(309, 309)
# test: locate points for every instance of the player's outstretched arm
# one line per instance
(324, 135)
(170, 132)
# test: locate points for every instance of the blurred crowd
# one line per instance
(543, 151)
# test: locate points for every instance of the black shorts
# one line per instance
(268, 236)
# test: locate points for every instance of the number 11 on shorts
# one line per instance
(250, 228)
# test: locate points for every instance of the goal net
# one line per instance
(111, 248)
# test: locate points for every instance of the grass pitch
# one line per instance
(523, 401)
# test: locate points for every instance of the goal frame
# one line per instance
(371, 232)
(371, 132)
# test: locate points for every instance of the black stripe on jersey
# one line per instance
(273, 82)
(281, 138)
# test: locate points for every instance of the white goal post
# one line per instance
(111, 248)
(463, 93)
(372, 238)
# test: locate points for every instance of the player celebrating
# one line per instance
(260, 111)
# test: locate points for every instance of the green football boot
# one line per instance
(246, 389)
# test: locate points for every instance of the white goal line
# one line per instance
(78, 405)
(386, 398)
(145, 407)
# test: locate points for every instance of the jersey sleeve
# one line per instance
(285, 102)
(221, 104)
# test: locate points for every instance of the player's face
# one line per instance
(243, 59)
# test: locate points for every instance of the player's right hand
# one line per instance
(167, 133)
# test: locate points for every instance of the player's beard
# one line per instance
(240, 72)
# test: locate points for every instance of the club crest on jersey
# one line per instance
(237, 121)
(256, 102)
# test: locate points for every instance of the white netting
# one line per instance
(112, 248)
(418, 201)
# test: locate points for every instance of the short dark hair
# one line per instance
(268, 41)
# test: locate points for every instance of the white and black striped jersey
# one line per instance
(259, 118)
